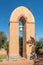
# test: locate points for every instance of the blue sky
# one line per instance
(36, 7)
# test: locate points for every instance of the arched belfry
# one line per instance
(24, 15)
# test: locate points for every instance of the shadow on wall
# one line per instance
(31, 44)
(31, 41)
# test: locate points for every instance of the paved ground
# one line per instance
(18, 62)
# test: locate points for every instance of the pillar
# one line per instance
(30, 32)
(13, 41)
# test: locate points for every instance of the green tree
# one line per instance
(6, 46)
(3, 39)
(39, 45)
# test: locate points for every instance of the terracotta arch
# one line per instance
(29, 31)
(22, 11)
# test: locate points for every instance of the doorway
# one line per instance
(22, 37)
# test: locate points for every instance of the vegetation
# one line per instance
(39, 45)
(6, 46)
(2, 57)
(3, 42)
(3, 39)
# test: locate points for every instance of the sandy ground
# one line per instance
(18, 62)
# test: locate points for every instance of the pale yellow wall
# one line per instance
(14, 40)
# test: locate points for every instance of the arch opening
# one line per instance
(22, 37)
